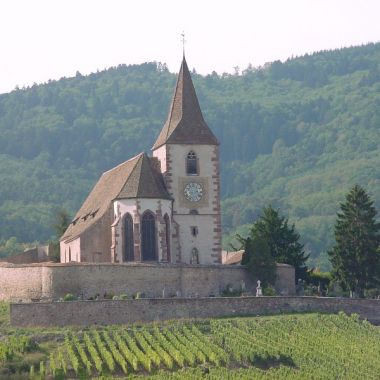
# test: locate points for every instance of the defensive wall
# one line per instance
(49, 281)
(84, 313)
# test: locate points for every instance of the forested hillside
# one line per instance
(296, 135)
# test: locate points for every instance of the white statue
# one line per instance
(259, 291)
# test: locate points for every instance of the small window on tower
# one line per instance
(194, 231)
(191, 164)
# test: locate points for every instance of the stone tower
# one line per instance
(189, 155)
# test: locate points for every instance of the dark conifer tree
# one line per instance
(62, 221)
(355, 257)
(281, 238)
(259, 260)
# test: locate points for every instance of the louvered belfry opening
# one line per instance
(191, 164)
(128, 238)
(148, 237)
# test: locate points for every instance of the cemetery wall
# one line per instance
(104, 312)
(50, 281)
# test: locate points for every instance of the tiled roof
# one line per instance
(138, 177)
(185, 123)
(232, 258)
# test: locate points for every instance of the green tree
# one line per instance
(62, 221)
(259, 261)
(281, 238)
(355, 257)
(10, 247)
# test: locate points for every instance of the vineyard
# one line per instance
(311, 346)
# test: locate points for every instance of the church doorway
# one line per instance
(128, 238)
(148, 237)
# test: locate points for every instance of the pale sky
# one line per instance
(49, 39)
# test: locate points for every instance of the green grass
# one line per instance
(294, 346)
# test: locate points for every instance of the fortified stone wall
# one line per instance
(21, 281)
(51, 281)
(86, 313)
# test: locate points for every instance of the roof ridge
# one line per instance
(173, 98)
(123, 163)
(143, 157)
(140, 156)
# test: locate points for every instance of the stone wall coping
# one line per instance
(106, 312)
(132, 264)
(208, 299)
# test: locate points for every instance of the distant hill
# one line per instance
(295, 134)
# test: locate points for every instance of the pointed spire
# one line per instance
(185, 123)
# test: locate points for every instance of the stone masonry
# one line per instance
(85, 313)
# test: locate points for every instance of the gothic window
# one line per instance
(128, 254)
(194, 231)
(167, 236)
(191, 163)
(194, 256)
(148, 237)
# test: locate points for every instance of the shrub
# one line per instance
(69, 297)
(229, 291)
(269, 291)
(319, 279)
(372, 293)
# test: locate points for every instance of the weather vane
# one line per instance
(183, 42)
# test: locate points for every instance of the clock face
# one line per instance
(193, 192)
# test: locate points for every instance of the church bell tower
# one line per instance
(189, 155)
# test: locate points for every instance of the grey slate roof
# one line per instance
(138, 177)
(185, 123)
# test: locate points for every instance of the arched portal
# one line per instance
(167, 237)
(148, 237)
(128, 254)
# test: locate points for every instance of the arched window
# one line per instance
(194, 256)
(148, 237)
(191, 164)
(128, 254)
(167, 236)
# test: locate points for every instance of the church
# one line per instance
(163, 208)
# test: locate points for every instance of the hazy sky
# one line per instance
(48, 39)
